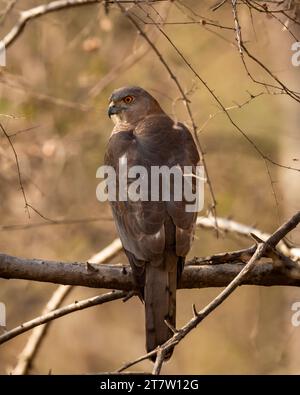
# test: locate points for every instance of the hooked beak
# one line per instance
(112, 110)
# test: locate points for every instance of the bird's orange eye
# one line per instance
(128, 99)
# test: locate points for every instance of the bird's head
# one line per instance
(130, 104)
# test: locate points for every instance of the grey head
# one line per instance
(130, 104)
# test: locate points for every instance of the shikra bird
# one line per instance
(156, 234)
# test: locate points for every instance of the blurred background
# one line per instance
(54, 95)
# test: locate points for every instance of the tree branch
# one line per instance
(231, 226)
(32, 13)
(119, 276)
(53, 315)
(158, 362)
(43, 9)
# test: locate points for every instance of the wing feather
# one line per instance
(141, 225)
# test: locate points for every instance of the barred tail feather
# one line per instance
(160, 301)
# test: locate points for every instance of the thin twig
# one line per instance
(158, 362)
(43, 9)
(237, 26)
(224, 257)
(231, 226)
(18, 168)
(54, 314)
(49, 222)
(218, 5)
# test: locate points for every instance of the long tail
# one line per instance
(160, 301)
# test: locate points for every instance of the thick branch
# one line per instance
(119, 277)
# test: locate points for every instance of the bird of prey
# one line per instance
(156, 235)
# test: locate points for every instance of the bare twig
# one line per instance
(218, 5)
(230, 226)
(294, 95)
(190, 10)
(237, 26)
(158, 362)
(43, 9)
(224, 257)
(63, 221)
(243, 255)
(54, 314)
(18, 168)
(243, 49)
(202, 22)
(32, 13)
